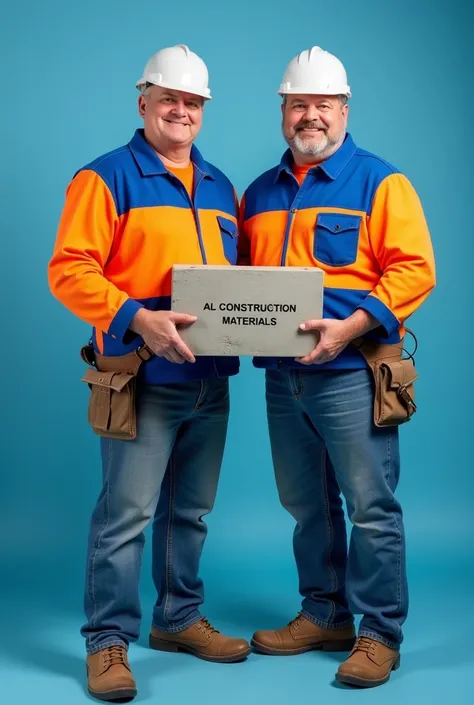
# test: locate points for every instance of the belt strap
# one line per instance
(382, 351)
(378, 351)
(129, 363)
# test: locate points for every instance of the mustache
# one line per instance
(313, 124)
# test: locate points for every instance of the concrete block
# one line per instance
(248, 310)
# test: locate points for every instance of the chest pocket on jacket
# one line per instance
(229, 238)
(336, 238)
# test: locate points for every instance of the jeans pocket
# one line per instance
(336, 238)
(229, 238)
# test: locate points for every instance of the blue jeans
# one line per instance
(168, 474)
(324, 442)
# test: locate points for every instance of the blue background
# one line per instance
(68, 74)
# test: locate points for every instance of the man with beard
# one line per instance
(332, 205)
(129, 216)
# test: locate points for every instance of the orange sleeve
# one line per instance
(401, 242)
(83, 243)
(244, 255)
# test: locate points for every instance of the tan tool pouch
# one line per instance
(394, 377)
(112, 381)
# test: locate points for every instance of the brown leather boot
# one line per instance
(109, 675)
(203, 641)
(369, 664)
(301, 635)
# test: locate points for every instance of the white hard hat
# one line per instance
(179, 69)
(316, 72)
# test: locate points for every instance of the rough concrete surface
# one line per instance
(248, 310)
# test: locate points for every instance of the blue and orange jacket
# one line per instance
(356, 217)
(126, 221)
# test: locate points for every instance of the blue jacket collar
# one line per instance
(332, 167)
(149, 162)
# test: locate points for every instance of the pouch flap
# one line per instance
(227, 225)
(110, 380)
(338, 222)
(401, 373)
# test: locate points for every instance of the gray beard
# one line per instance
(323, 148)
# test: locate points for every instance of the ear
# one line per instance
(346, 113)
(141, 106)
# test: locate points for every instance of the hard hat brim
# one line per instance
(143, 82)
(304, 90)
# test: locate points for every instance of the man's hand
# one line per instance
(158, 330)
(335, 335)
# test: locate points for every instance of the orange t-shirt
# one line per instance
(186, 175)
(301, 171)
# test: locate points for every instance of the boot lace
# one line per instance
(296, 622)
(206, 628)
(114, 656)
(365, 644)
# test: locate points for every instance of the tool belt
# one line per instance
(112, 381)
(394, 377)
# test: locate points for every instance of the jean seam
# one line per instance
(293, 383)
(92, 594)
(399, 532)
(299, 385)
(326, 625)
(181, 627)
(106, 645)
(331, 529)
(389, 459)
(399, 541)
(199, 399)
(381, 639)
(169, 541)
(388, 478)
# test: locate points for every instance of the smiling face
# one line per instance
(314, 125)
(171, 118)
